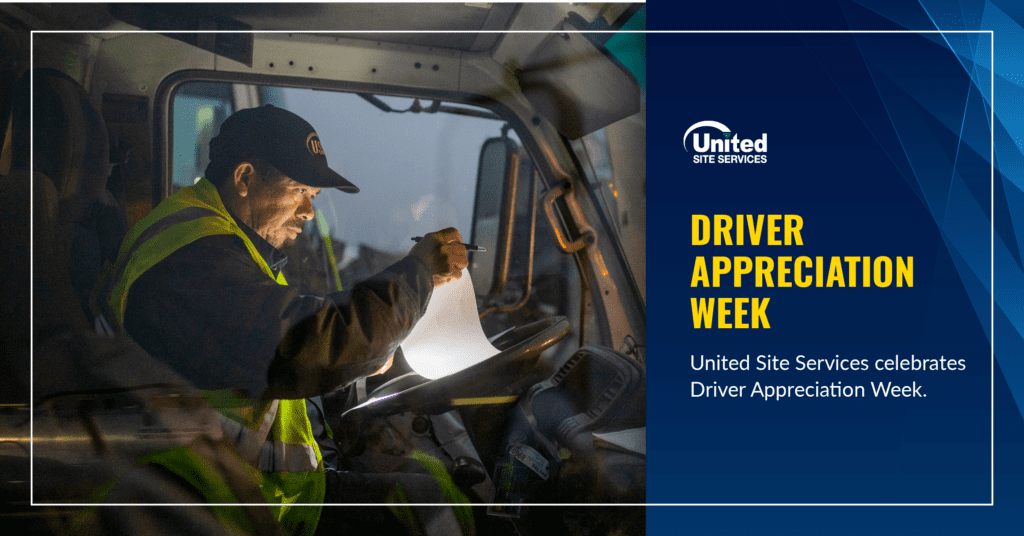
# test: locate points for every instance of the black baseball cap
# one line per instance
(281, 138)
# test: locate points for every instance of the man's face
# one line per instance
(279, 207)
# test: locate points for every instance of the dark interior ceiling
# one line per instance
(386, 17)
(316, 17)
(390, 16)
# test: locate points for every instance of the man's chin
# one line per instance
(286, 238)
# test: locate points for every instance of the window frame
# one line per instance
(163, 109)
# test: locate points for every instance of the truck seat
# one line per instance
(71, 152)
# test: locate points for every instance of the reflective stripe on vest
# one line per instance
(184, 217)
(280, 445)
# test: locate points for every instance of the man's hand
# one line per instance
(444, 255)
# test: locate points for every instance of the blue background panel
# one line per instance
(883, 144)
(824, 164)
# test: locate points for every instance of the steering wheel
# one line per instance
(498, 375)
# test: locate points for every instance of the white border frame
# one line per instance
(991, 34)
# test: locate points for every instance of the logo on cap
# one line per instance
(313, 144)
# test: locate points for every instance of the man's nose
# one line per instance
(305, 210)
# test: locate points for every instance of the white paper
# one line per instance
(634, 440)
(448, 338)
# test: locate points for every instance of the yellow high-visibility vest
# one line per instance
(287, 453)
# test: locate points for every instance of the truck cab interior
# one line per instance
(522, 125)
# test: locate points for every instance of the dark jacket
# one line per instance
(209, 312)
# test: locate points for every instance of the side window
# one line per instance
(416, 162)
(199, 110)
(540, 281)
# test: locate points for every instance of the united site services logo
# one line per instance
(724, 146)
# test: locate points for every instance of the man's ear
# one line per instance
(243, 177)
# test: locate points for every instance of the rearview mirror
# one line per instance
(494, 215)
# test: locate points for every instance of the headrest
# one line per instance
(71, 145)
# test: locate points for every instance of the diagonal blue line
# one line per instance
(889, 115)
(875, 11)
(963, 18)
(959, 143)
(990, 117)
(987, 103)
(977, 44)
(977, 41)
(920, 196)
(971, 71)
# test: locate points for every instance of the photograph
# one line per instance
(331, 267)
(322, 268)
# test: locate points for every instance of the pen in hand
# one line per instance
(469, 247)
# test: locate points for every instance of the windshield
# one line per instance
(416, 171)
(416, 163)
